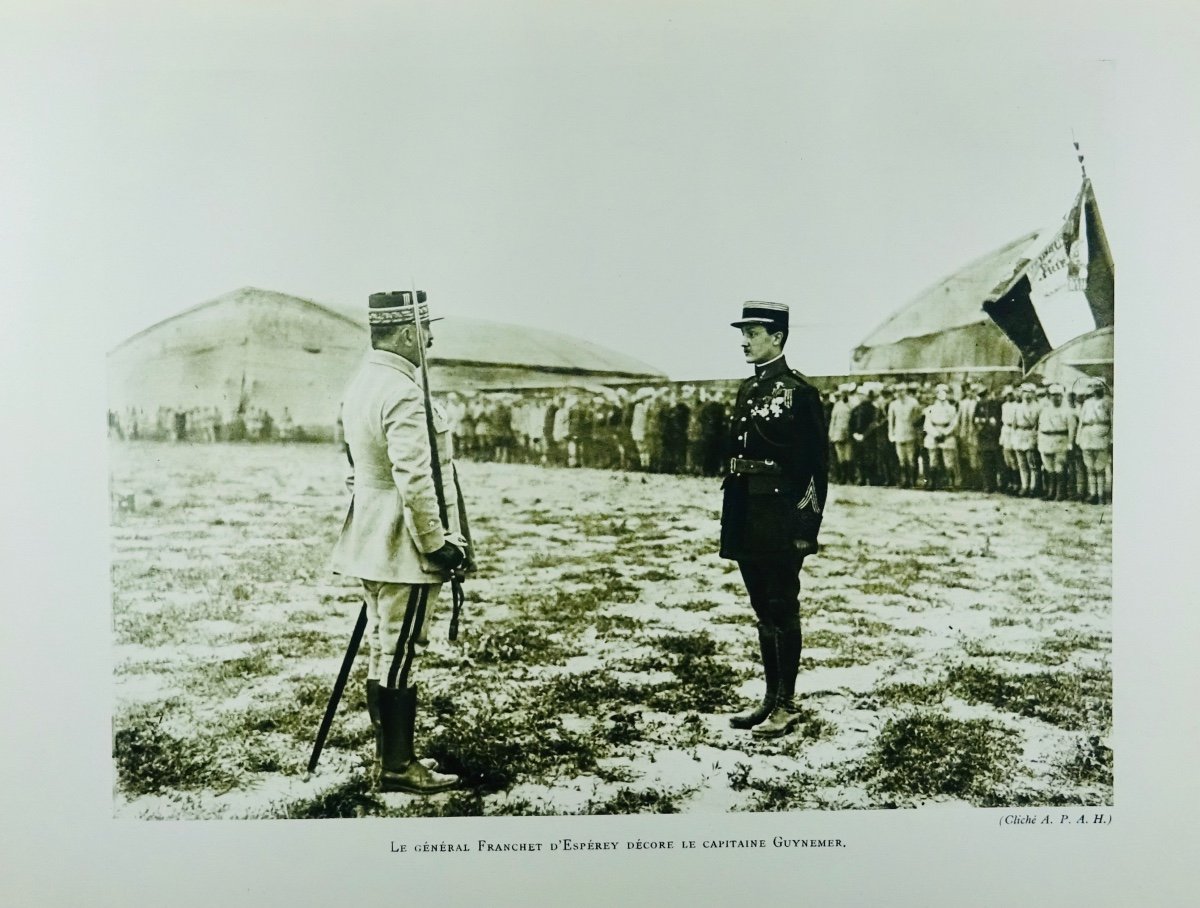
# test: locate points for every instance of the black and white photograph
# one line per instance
(518, 432)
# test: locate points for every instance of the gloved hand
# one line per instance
(804, 547)
(448, 557)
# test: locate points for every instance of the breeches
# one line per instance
(971, 458)
(774, 589)
(1054, 461)
(1097, 461)
(398, 617)
(844, 451)
(943, 457)
(906, 452)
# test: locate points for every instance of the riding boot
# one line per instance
(770, 659)
(786, 715)
(400, 770)
(373, 688)
(373, 709)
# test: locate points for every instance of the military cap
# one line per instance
(770, 315)
(396, 307)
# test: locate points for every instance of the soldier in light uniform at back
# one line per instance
(839, 435)
(1056, 436)
(1023, 438)
(1095, 442)
(1008, 455)
(941, 442)
(903, 434)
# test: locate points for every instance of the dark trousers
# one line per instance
(774, 588)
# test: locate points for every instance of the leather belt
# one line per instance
(1052, 432)
(741, 466)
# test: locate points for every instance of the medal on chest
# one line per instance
(773, 404)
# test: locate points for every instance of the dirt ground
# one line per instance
(957, 648)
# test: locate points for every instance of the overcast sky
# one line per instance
(625, 172)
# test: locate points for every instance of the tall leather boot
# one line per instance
(770, 661)
(373, 709)
(786, 715)
(400, 770)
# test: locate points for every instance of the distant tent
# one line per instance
(1089, 354)
(945, 327)
(255, 349)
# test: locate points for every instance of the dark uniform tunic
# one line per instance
(775, 487)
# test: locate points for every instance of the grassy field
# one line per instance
(957, 648)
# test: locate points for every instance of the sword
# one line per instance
(338, 686)
(456, 576)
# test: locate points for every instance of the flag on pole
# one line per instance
(1061, 285)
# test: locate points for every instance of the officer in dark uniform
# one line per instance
(775, 488)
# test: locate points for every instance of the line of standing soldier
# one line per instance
(1029, 441)
(655, 429)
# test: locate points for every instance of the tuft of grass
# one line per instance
(625, 729)
(906, 692)
(151, 760)
(629, 800)
(491, 746)
(657, 575)
(523, 643)
(704, 683)
(486, 749)
(1072, 700)
(455, 803)
(352, 798)
(607, 624)
(796, 791)
(928, 755)
(1090, 763)
(687, 644)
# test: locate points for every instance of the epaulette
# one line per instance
(800, 376)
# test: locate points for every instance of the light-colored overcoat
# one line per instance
(393, 517)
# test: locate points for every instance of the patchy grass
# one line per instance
(350, 798)
(150, 759)
(629, 800)
(930, 756)
(1072, 700)
(601, 658)
(524, 643)
(796, 791)
(1089, 763)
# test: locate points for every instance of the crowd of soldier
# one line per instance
(664, 429)
(1029, 441)
(1034, 440)
(203, 424)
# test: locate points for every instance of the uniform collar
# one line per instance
(775, 367)
(393, 361)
